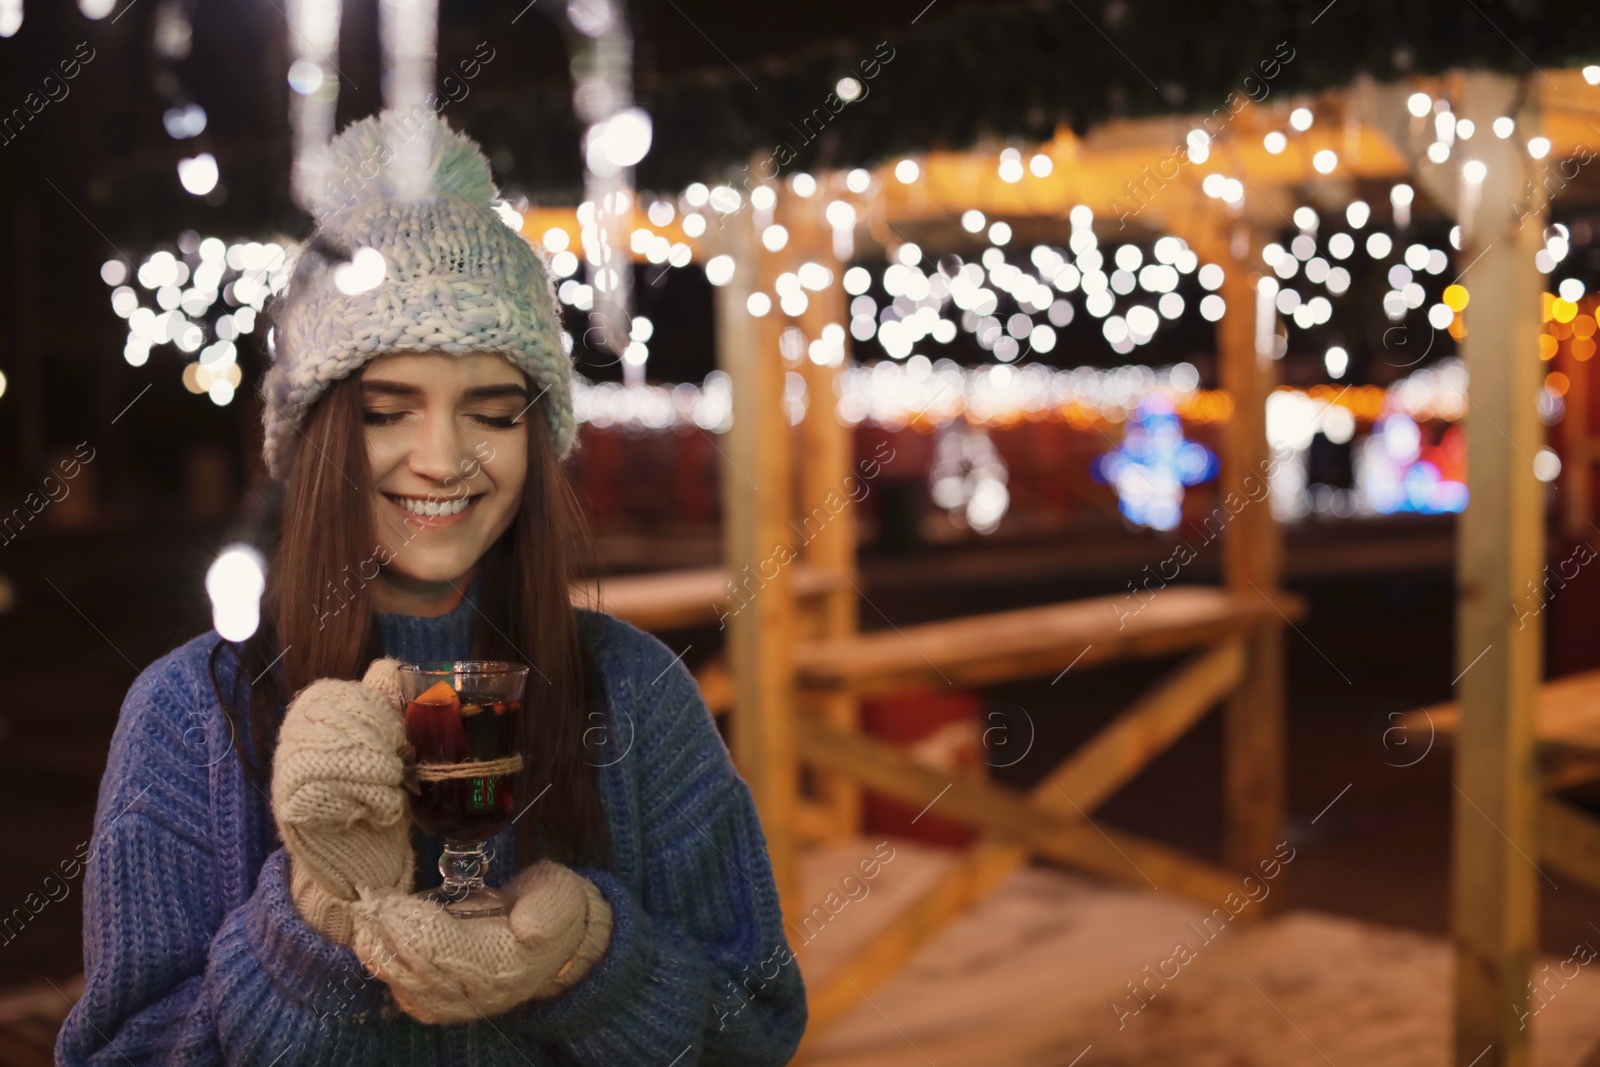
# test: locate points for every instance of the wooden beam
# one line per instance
(716, 683)
(1254, 748)
(672, 600)
(755, 478)
(1500, 549)
(1569, 841)
(1148, 728)
(825, 523)
(1559, 772)
(1082, 783)
(1131, 170)
(1011, 818)
(977, 873)
(973, 801)
(1040, 641)
(814, 823)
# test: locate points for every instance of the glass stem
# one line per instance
(462, 867)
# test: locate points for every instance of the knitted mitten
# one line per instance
(337, 796)
(441, 969)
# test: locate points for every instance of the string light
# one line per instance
(1400, 198)
(1010, 165)
(235, 582)
(719, 269)
(1007, 335)
(198, 175)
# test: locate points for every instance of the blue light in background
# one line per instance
(1154, 464)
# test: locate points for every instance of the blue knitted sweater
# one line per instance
(194, 954)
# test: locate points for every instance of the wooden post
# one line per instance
(1255, 752)
(826, 460)
(755, 505)
(1500, 550)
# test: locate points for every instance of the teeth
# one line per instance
(433, 507)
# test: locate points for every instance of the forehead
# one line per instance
(442, 370)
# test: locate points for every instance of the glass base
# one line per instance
(473, 903)
(463, 893)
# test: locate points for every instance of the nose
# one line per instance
(439, 449)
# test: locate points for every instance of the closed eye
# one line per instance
(499, 422)
(382, 418)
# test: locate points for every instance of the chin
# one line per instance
(431, 567)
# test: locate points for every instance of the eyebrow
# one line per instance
(480, 392)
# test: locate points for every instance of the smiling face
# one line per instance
(447, 441)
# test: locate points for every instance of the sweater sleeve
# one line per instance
(171, 975)
(698, 967)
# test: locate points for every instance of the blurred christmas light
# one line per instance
(1153, 465)
(235, 582)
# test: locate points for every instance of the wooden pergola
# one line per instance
(797, 665)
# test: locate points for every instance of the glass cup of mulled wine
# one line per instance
(461, 714)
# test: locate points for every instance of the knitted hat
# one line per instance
(454, 278)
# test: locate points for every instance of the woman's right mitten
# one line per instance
(338, 799)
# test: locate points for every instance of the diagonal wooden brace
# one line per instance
(1569, 841)
(1081, 783)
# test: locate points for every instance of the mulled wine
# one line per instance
(444, 726)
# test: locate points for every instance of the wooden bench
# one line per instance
(1566, 725)
(1051, 821)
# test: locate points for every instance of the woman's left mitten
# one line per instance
(446, 970)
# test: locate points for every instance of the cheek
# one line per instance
(381, 460)
(384, 451)
(508, 470)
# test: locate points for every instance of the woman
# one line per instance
(247, 895)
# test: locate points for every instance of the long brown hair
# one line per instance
(317, 614)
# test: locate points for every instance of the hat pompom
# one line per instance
(366, 162)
